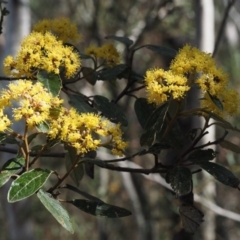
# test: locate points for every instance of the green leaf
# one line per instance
(109, 74)
(191, 218)
(216, 101)
(191, 134)
(126, 41)
(230, 146)
(84, 194)
(51, 81)
(78, 171)
(143, 110)
(180, 179)
(100, 209)
(88, 75)
(79, 103)
(6, 139)
(168, 52)
(174, 137)
(56, 209)
(89, 167)
(110, 110)
(12, 166)
(201, 155)
(220, 173)
(42, 127)
(27, 184)
(156, 119)
(31, 137)
(148, 137)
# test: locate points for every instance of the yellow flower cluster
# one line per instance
(192, 61)
(63, 28)
(230, 100)
(42, 51)
(162, 85)
(191, 66)
(83, 131)
(35, 103)
(108, 53)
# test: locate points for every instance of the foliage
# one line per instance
(40, 72)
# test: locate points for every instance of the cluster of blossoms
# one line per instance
(37, 105)
(107, 53)
(63, 28)
(34, 103)
(189, 67)
(83, 131)
(42, 51)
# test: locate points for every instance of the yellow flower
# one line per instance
(162, 85)
(42, 52)
(63, 28)
(215, 81)
(108, 53)
(230, 100)
(83, 131)
(35, 102)
(4, 121)
(191, 60)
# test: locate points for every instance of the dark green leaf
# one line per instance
(12, 166)
(110, 110)
(36, 149)
(227, 126)
(191, 218)
(100, 209)
(6, 139)
(230, 146)
(27, 184)
(143, 110)
(89, 167)
(51, 81)
(56, 209)
(84, 194)
(148, 137)
(191, 135)
(201, 155)
(216, 101)
(80, 105)
(31, 137)
(180, 179)
(220, 173)
(126, 41)
(168, 52)
(70, 159)
(88, 75)
(42, 127)
(109, 74)
(156, 119)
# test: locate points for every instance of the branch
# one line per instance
(203, 201)
(222, 26)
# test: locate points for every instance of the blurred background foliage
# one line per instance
(165, 23)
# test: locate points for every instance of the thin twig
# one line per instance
(222, 26)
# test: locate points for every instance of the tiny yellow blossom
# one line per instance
(63, 28)
(162, 85)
